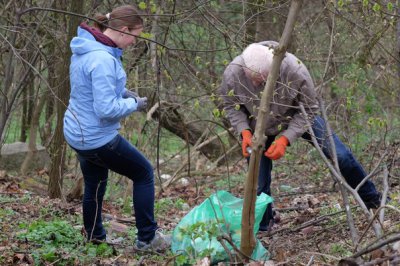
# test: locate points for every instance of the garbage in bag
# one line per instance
(221, 214)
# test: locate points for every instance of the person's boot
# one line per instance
(269, 218)
(375, 203)
(159, 243)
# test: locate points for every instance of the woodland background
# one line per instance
(351, 48)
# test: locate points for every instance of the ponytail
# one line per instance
(101, 22)
(121, 16)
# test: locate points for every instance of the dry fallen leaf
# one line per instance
(118, 227)
(12, 188)
(3, 174)
(203, 262)
(18, 257)
(42, 171)
(308, 230)
(301, 219)
(280, 255)
(387, 224)
(313, 201)
(377, 254)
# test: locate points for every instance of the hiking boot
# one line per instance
(159, 243)
(270, 223)
(375, 203)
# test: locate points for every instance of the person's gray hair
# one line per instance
(258, 58)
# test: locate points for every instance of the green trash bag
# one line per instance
(221, 214)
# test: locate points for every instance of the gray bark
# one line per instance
(58, 145)
(248, 242)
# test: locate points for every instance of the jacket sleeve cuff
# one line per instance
(290, 135)
(124, 93)
(242, 126)
(132, 102)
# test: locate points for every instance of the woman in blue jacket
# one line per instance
(97, 102)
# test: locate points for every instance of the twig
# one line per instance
(306, 224)
(310, 261)
(97, 208)
(207, 141)
(168, 219)
(292, 208)
(243, 256)
(22, 12)
(332, 169)
(322, 255)
(377, 246)
(385, 192)
(344, 192)
(286, 262)
(170, 259)
(54, 262)
(378, 261)
(221, 241)
(338, 177)
(309, 223)
(120, 220)
(115, 259)
(175, 178)
(232, 149)
(296, 193)
(373, 218)
(147, 251)
(373, 172)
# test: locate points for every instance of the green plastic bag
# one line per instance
(221, 214)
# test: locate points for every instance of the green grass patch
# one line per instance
(58, 242)
(163, 205)
(340, 250)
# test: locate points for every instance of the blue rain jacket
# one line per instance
(97, 100)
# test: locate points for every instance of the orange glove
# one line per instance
(277, 148)
(246, 141)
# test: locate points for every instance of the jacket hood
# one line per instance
(85, 43)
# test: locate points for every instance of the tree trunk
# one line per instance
(12, 85)
(24, 117)
(398, 47)
(210, 151)
(170, 119)
(247, 243)
(77, 191)
(34, 125)
(58, 146)
(265, 23)
(251, 12)
(5, 99)
(28, 102)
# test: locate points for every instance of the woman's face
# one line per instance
(128, 38)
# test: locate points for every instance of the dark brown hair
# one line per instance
(121, 16)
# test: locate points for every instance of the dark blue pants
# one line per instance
(121, 157)
(350, 168)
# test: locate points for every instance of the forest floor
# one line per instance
(313, 229)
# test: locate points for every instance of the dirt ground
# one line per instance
(312, 229)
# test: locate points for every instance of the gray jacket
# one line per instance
(294, 86)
